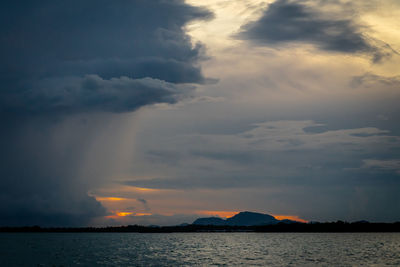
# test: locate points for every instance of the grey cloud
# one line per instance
(269, 153)
(144, 203)
(48, 210)
(192, 182)
(290, 135)
(372, 80)
(167, 69)
(40, 184)
(385, 165)
(93, 93)
(63, 41)
(286, 21)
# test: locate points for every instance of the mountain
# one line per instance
(245, 218)
(248, 218)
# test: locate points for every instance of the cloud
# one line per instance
(372, 80)
(52, 51)
(270, 153)
(93, 93)
(144, 203)
(313, 22)
(48, 209)
(66, 68)
(384, 165)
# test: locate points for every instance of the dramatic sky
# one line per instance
(163, 111)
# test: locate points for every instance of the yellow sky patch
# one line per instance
(143, 189)
(110, 198)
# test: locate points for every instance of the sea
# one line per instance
(199, 249)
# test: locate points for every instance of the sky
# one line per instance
(160, 112)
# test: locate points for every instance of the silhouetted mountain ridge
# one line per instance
(244, 218)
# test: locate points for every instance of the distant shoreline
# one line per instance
(333, 227)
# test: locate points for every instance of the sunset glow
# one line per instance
(289, 217)
(110, 198)
(143, 189)
(123, 214)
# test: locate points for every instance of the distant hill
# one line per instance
(248, 218)
(210, 221)
(245, 218)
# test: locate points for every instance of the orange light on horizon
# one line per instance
(120, 214)
(123, 214)
(110, 198)
(222, 214)
(290, 217)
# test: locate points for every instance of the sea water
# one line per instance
(206, 249)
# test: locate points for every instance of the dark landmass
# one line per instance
(338, 226)
(245, 218)
(210, 221)
(242, 222)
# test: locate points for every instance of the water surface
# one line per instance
(180, 249)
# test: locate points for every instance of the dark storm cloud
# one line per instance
(48, 210)
(64, 60)
(48, 42)
(39, 184)
(93, 93)
(288, 21)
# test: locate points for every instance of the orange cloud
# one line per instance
(121, 214)
(110, 198)
(143, 189)
(289, 217)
